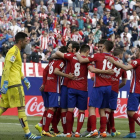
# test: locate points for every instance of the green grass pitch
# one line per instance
(10, 129)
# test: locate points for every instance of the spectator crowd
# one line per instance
(51, 24)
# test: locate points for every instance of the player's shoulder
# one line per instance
(14, 50)
(135, 62)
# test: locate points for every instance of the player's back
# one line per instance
(66, 70)
(101, 63)
(118, 72)
(81, 72)
(53, 81)
(13, 55)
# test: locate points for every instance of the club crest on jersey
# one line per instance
(135, 62)
(61, 65)
(13, 59)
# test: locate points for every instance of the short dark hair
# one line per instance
(84, 48)
(20, 36)
(63, 49)
(75, 45)
(102, 41)
(117, 51)
(108, 45)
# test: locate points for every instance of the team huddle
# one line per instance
(64, 87)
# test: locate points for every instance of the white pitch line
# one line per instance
(58, 126)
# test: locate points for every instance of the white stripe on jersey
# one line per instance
(58, 84)
(133, 89)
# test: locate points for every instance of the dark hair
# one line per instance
(20, 36)
(108, 45)
(75, 45)
(117, 51)
(63, 49)
(84, 48)
(102, 41)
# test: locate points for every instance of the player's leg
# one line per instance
(42, 122)
(53, 103)
(95, 101)
(82, 106)
(132, 107)
(63, 105)
(16, 99)
(71, 105)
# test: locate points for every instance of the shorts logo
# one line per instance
(13, 59)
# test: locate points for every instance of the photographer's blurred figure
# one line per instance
(2, 59)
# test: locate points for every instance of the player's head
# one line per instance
(63, 49)
(69, 48)
(101, 44)
(108, 46)
(75, 46)
(118, 52)
(85, 49)
(21, 39)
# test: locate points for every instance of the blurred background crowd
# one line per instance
(51, 24)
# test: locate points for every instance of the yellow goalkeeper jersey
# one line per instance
(12, 60)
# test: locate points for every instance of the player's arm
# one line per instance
(123, 83)
(120, 65)
(59, 54)
(45, 73)
(60, 73)
(95, 70)
(81, 59)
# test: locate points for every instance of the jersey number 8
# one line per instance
(77, 69)
(51, 68)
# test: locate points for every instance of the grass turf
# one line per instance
(10, 129)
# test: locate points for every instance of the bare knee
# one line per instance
(130, 113)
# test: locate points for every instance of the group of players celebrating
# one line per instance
(65, 87)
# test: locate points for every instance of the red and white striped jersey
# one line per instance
(51, 41)
(135, 77)
(91, 47)
(56, 32)
(14, 13)
(52, 79)
(44, 16)
(65, 30)
(76, 37)
(43, 42)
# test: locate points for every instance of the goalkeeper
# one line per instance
(11, 85)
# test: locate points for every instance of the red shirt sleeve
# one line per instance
(93, 58)
(45, 73)
(68, 56)
(135, 63)
(60, 64)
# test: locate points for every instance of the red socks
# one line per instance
(103, 121)
(63, 121)
(43, 120)
(80, 121)
(112, 122)
(58, 115)
(108, 127)
(55, 122)
(88, 126)
(136, 117)
(49, 117)
(69, 120)
(107, 113)
(92, 120)
(131, 124)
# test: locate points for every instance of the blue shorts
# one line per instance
(100, 97)
(77, 98)
(133, 102)
(51, 99)
(113, 100)
(64, 97)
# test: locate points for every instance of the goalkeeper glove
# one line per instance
(27, 83)
(4, 88)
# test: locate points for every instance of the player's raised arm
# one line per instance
(81, 59)
(120, 65)
(95, 70)
(59, 54)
